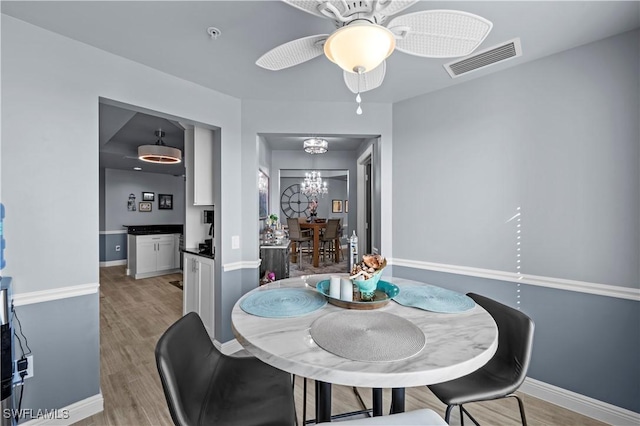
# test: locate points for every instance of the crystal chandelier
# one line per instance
(315, 146)
(312, 186)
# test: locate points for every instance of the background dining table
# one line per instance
(456, 345)
(317, 228)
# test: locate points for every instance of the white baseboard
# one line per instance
(71, 413)
(113, 263)
(228, 348)
(581, 404)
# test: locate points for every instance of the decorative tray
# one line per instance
(385, 291)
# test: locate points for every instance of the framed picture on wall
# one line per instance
(144, 206)
(165, 201)
(336, 206)
(263, 195)
(148, 196)
(346, 206)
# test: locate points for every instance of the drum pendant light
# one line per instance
(159, 153)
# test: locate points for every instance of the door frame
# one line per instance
(362, 219)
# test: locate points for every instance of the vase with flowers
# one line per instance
(313, 210)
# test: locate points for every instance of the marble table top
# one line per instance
(456, 344)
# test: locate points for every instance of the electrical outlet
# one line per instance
(16, 373)
(117, 248)
(235, 242)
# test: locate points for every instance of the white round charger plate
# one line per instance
(368, 336)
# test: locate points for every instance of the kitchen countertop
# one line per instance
(197, 253)
(153, 229)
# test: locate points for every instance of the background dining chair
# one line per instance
(205, 387)
(329, 238)
(505, 371)
(299, 237)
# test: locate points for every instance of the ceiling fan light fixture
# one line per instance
(159, 153)
(360, 46)
(316, 146)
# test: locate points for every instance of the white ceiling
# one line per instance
(171, 36)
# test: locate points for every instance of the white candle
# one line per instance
(346, 290)
(334, 287)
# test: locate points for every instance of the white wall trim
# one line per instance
(113, 263)
(124, 231)
(234, 266)
(228, 348)
(584, 405)
(32, 297)
(550, 282)
(77, 411)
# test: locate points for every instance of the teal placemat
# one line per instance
(434, 299)
(283, 302)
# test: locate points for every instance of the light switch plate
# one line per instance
(235, 242)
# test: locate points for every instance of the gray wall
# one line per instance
(115, 187)
(337, 191)
(560, 138)
(557, 137)
(57, 84)
(120, 183)
(332, 160)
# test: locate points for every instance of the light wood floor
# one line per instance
(133, 315)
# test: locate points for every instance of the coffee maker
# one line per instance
(207, 246)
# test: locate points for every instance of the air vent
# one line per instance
(493, 55)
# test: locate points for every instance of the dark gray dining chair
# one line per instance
(505, 371)
(300, 237)
(329, 238)
(203, 386)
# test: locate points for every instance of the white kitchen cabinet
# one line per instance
(198, 290)
(152, 255)
(202, 167)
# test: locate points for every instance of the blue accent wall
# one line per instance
(584, 343)
(108, 243)
(64, 337)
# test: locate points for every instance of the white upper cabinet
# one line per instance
(202, 167)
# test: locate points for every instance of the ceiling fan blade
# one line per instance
(439, 33)
(368, 80)
(311, 6)
(389, 7)
(293, 53)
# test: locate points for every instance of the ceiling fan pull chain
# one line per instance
(359, 70)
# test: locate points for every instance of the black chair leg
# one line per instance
(520, 406)
(463, 410)
(304, 403)
(447, 414)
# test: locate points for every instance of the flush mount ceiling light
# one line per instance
(159, 153)
(316, 146)
(368, 31)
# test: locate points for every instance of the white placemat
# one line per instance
(368, 336)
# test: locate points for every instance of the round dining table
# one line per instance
(456, 344)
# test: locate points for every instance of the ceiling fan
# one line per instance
(366, 34)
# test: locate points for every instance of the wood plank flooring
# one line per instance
(135, 313)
